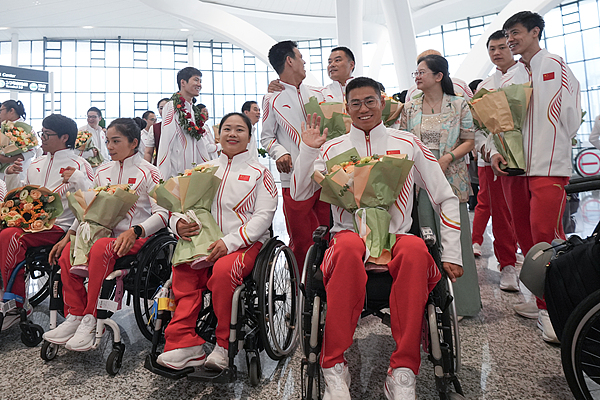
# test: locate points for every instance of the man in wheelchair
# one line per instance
(60, 171)
(412, 268)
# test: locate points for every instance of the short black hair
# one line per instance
(496, 36)
(186, 74)
(62, 126)
(201, 106)
(346, 50)
(96, 110)
(161, 100)
(400, 97)
(15, 105)
(362, 81)
(474, 84)
(528, 19)
(248, 105)
(129, 127)
(243, 116)
(147, 113)
(280, 52)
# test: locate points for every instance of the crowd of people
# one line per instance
(436, 131)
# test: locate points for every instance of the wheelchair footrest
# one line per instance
(151, 365)
(228, 375)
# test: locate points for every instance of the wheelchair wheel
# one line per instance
(154, 269)
(580, 348)
(277, 299)
(114, 362)
(49, 351)
(254, 370)
(31, 336)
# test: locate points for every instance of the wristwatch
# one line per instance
(138, 231)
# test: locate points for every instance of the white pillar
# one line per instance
(349, 24)
(398, 18)
(477, 64)
(14, 59)
(375, 65)
(190, 50)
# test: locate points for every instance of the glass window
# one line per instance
(573, 47)
(591, 42)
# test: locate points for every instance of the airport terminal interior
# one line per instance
(122, 56)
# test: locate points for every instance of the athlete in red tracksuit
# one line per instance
(413, 270)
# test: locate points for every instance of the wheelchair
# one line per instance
(37, 288)
(135, 278)
(264, 317)
(441, 342)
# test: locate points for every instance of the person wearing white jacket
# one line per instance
(537, 199)
(182, 146)
(412, 268)
(283, 114)
(243, 208)
(60, 171)
(14, 111)
(143, 219)
(94, 115)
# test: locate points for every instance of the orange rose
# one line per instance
(11, 222)
(28, 206)
(9, 204)
(35, 194)
(50, 199)
(37, 225)
(13, 214)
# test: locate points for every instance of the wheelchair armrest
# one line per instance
(319, 234)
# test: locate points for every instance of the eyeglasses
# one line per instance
(92, 116)
(418, 73)
(46, 136)
(370, 102)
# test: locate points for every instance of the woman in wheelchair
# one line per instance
(243, 208)
(412, 268)
(59, 170)
(143, 219)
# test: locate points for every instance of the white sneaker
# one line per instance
(65, 331)
(545, 325)
(13, 317)
(527, 310)
(520, 259)
(182, 358)
(84, 337)
(218, 360)
(477, 249)
(337, 382)
(400, 384)
(508, 279)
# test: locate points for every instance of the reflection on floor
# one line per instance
(504, 357)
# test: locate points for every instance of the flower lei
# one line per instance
(193, 128)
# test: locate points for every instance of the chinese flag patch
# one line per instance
(244, 178)
(61, 171)
(549, 76)
(392, 152)
(131, 181)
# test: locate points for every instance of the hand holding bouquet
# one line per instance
(31, 208)
(84, 142)
(98, 211)
(502, 113)
(190, 197)
(366, 187)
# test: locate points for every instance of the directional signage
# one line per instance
(588, 162)
(23, 79)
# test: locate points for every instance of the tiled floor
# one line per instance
(503, 354)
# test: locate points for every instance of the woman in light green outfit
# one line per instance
(444, 124)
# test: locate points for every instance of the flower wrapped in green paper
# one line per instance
(190, 196)
(98, 211)
(502, 113)
(15, 138)
(366, 187)
(84, 142)
(391, 111)
(333, 117)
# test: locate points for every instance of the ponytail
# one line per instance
(17, 106)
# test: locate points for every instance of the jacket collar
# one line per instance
(237, 159)
(130, 161)
(376, 133)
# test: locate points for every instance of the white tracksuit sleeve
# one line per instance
(268, 135)
(167, 137)
(262, 217)
(309, 160)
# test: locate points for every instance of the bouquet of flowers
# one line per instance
(83, 143)
(366, 187)
(31, 208)
(190, 197)
(333, 116)
(98, 211)
(16, 138)
(501, 113)
(391, 111)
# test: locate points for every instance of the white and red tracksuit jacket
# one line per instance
(426, 173)
(553, 117)
(283, 114)
(178, 150)
(514, 75)
(335, 92)
(142, 176)
(245, 202)
(46, 171)
(99, 140)
(460, 89)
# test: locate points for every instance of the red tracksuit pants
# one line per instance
(491, 202)
(101, 263)
(301, 219)
(188, 284)
(414, 275)
(14, 243)
(537, 204)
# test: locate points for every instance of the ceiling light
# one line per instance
(184, 30)
(87, 27)
(3, 28)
